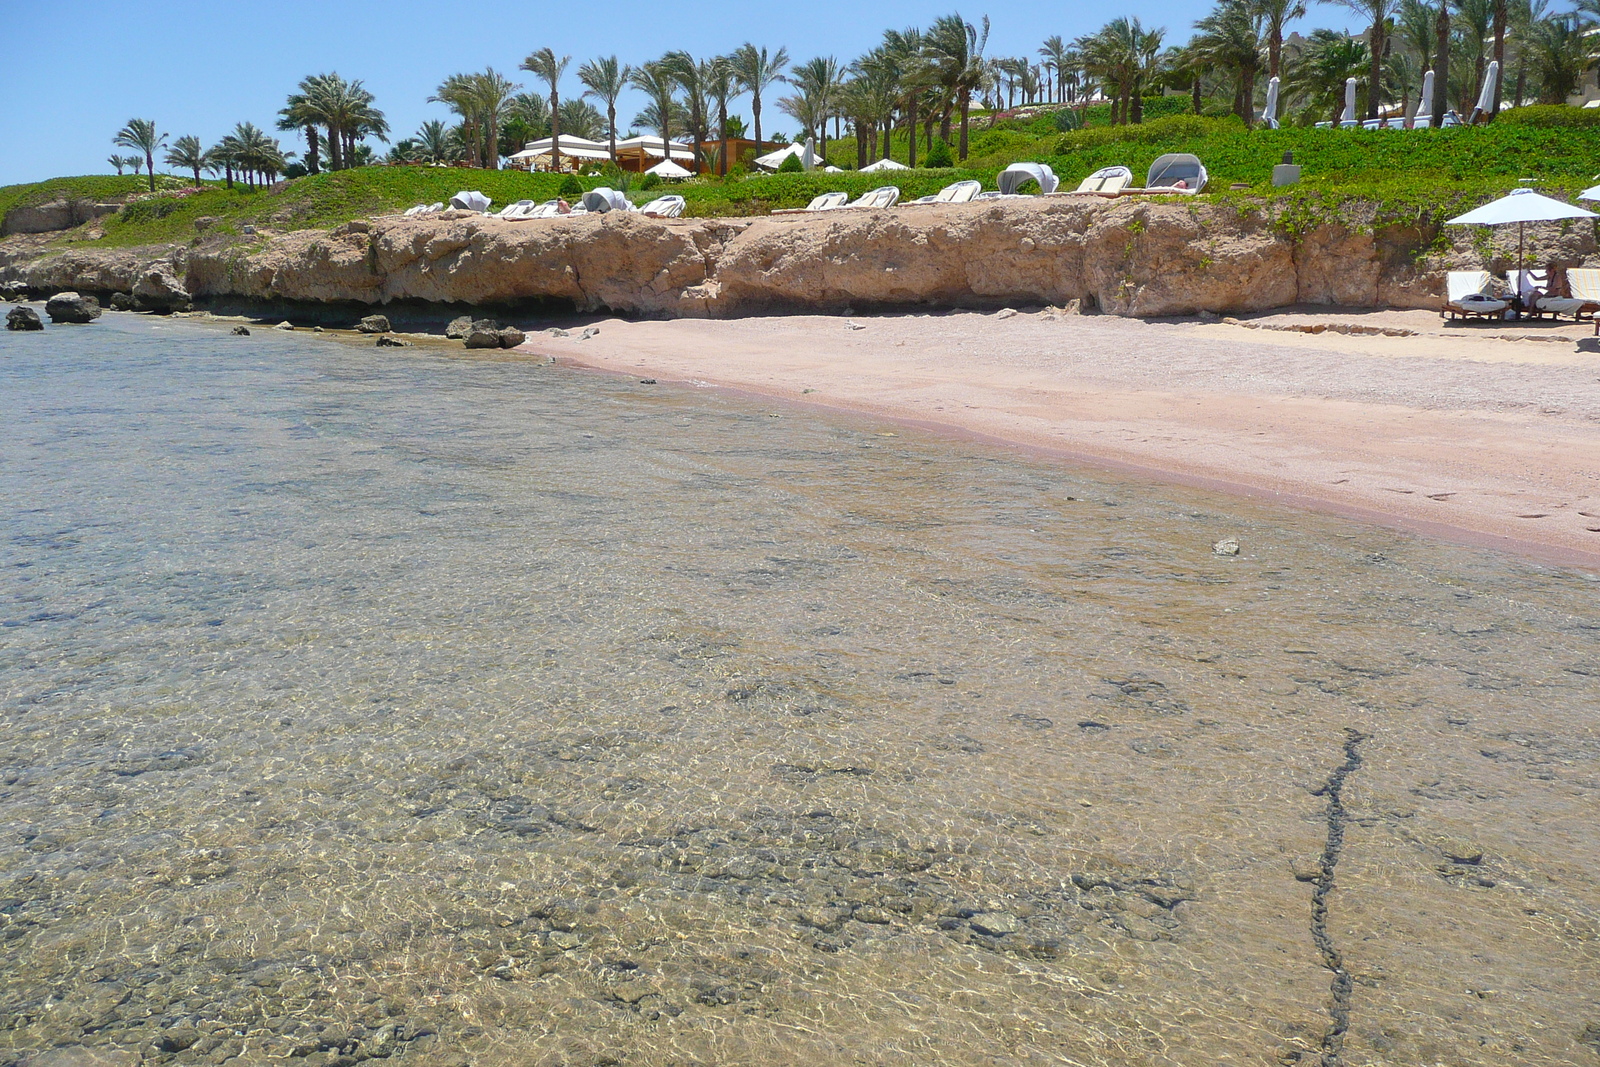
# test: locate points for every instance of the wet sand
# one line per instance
(1480, 433)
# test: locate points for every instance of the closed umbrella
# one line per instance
(1269, 114)
(1486, 95)
(1521, 206)
(808, 156)
(1349, 115)
(1425, 101)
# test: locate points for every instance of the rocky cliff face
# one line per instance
(1129, 257)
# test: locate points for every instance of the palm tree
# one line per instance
(654, 79)
(1561, 50)
(899, 58)
(1328, 59)
(1377, 13)
(187, 154)
(605, 79)
(818, 83)
(1055, 54)
(722, 87)
(1474, 19)
(118, 162)
(692, 78)
(301, 112)
(544, 64)
(142, 135)
(482, 100)
(1413, 33)
(433, 142)
(580, 119)
(955, 47)
(1274, 15)
(1230, 38)
(493, 92)
(755, 71)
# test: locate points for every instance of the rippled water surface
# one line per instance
(397, 705)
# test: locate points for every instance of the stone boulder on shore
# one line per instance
(158, 289)
(72, 308)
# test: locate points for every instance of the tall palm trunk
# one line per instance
(722, 131)
(1375, 82)
(966, 105)
(493, 157)
(1137, 101)
(312, 166)
(555, 129)
(227, 170)
(150, 169)
(755, 108)
(335, 148)
(611, 125)
(1499, 54)
(1196, 91)
(1441, 65)
(911, 132)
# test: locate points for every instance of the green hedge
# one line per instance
(1547, 116)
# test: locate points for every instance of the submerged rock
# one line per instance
(23, 319)
(387, 341)
(1228, 546)
(373, 324)
(241, 331)
(70, 307)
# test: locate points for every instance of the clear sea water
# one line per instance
(392, 703)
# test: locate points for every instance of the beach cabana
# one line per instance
(883, 164)
(539, 154)
(1017, 175)
(1177, 172)
(1520, 206)
(641, 153)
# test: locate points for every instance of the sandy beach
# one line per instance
(1481, 433)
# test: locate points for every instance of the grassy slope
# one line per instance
(87, 187)
(1407, 172)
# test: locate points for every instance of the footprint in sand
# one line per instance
(1440, 496)
(1407, 492)
(1544, 515)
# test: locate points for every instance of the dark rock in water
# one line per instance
(487, 333)
(386, 341)
(374, 324)
(158, 289)
(23, 319)
(70, 307)
(511, 337)
(241, 331)
(122, 302)
(459, 328)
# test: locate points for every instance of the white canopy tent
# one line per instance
(536, 152)
(652, 146)
(1521, 206)
(884, 164)
(668, 169)
(774, 160)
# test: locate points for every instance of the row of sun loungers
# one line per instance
(1469, 295)
(596, 201)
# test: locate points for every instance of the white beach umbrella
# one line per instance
(1349, 102)
(1269, 113)
(1591, 193)
(668, 169)
(1425, 101)
(808, 156)
(884, 164)
(1521, 206)
(1486, 95)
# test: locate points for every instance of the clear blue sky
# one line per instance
(84, 67)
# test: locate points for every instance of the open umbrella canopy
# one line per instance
(1521, 205)
(1591, 193)
(884, 164)
(668, 169)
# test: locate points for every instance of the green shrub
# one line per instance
(1068, 119)
(939, 155)
(570, 186)
(790, 165)
(649, 182)
(295, 170)
(1546, 116)
(157, 207)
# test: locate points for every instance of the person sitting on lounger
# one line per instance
(563, 208)
(1554, 298)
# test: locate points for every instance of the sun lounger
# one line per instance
(1466, 296)
(1530, 282)
(516, 210)
(1017, 175)
(664, 207)
(1585, 285)
(470, 201)
(954, 193)
(1106, 180)
(605, 199)
(881, 197)
(1176, 172)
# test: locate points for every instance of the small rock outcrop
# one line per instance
(70, 307)
(459, 328)
(23, 319)
(487, 333)
(373, 324)
(122, 302)
(390, 341)
(158, 289)
(241, 331)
